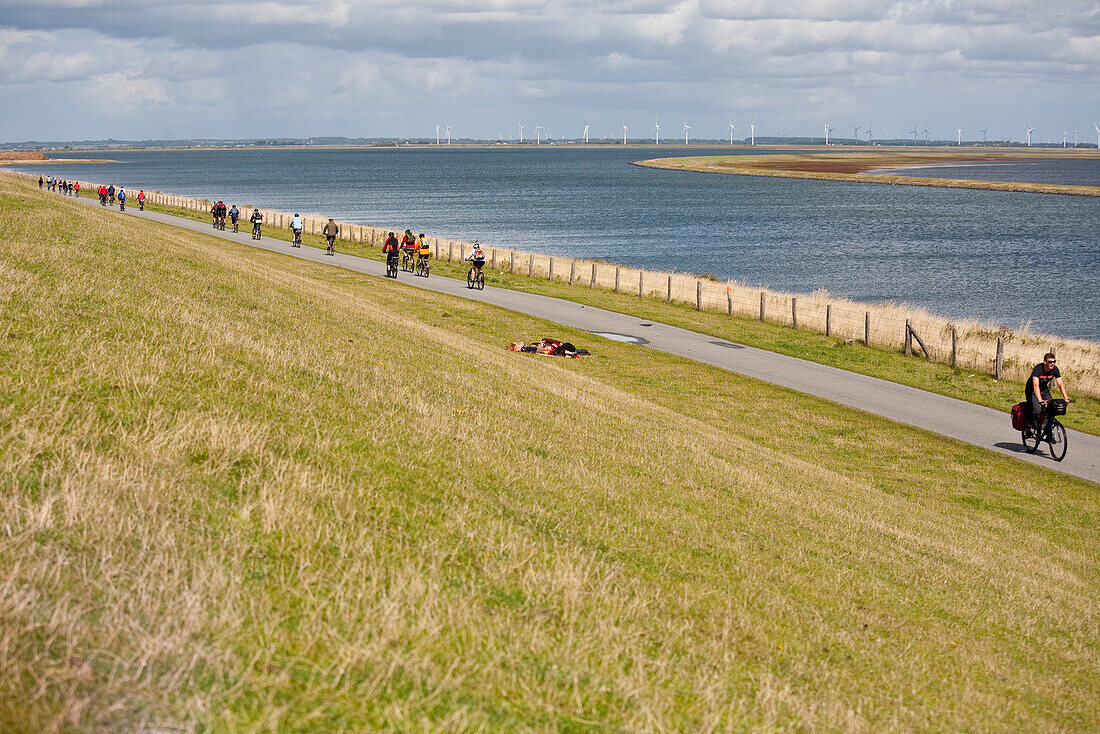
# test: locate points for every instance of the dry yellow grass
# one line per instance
(241, 492)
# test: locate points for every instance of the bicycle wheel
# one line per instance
(470, 278)
(1031, 438)
(1057, 441)
(480, 280)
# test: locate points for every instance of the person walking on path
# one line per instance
(331, 231)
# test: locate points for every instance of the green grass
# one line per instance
(968, 385)
(246, 492)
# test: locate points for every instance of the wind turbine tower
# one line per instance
(1029, 131)
(521, 133)
(985, 134)
(687, 127)
(1097, 135)
(752, 131)
(657, 128)
(868, 133)
(732, 128)
(448, 135)
(586, 131)
(437, 134)
(538, 134)
(1074, 138)
(855, 132)
(1064, 134)
(960, 132)
(827, 129)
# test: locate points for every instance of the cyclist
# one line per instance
(102, 195)
(424, 250)
(141, 198)
(76, 189)
(390, 247)
(477, 256)
(234, 214)
(214, 214)
(1037, 390)
(111, 194)
(122, 198)
(257, 219)
(330, 232)
(296, 227)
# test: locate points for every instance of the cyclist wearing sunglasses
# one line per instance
(1037, 390)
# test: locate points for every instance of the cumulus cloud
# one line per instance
(476, 59)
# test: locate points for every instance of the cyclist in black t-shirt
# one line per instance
(1037, 390)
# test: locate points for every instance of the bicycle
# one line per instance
(1049, 430)
(297, 242)
(475, 279)
(406, 262)
(141, 205)
(331, 244)
(256, 231)
(391, 265)
(235, 226)
(422, 267)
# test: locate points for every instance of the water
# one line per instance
(1003, 257)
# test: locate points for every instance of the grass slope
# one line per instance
(963, 384)
(242, 492)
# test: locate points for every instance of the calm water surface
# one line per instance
(1003, 257)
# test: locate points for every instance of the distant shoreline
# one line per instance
(53, 161)
(856, 166)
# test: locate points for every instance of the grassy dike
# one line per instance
(247, 492)
(974, 387)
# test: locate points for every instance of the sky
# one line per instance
(143, 69)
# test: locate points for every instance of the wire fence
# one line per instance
(965, 344)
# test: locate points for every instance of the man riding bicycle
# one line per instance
(424, 250)
(477, 256)
(296, 226)
(234, 215)
(141, 199)
(122, 198)
(390, 247)
(1037, 390)
(257, 219)
(330, 232)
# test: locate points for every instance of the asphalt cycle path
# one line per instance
(973, 424)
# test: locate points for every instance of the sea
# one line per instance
(1007, 258)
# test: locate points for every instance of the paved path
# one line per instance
(973, 424)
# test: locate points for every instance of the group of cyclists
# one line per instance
(108, 193)
(413, 250)
(60, 185)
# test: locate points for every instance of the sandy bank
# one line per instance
(855, 166)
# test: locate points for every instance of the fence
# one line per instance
(969, 345)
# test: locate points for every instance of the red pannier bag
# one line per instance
(1019, 416)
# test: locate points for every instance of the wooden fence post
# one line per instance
(512, 268)
(668, 295)
(729, 302)
(954, 347)
(908, 349)
(641, 276)
(592, 283)
(762, 301)
(794, 312)
(828, 319)
(450, 250)
(617, 279)
(698, 295)
(550, 274)
(530, 265)
(493, 259)
(866, 328)
(999, 362)
(572, 271)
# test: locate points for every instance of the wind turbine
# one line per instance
(752, 129)
(1074, 138)
(437, 134)
(521, 133)
(1097, 135)
(586, 131)
(985, 136)
(685, 131)
(732, 128)
(855, 132)
(657, 127)
(827, 129)
(538, 134)
(623, 131)
(960, 132)
(868, 133)
(1029, 131)
(924, 132)
(914, 132)
(1064, 134)
(448, 135)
